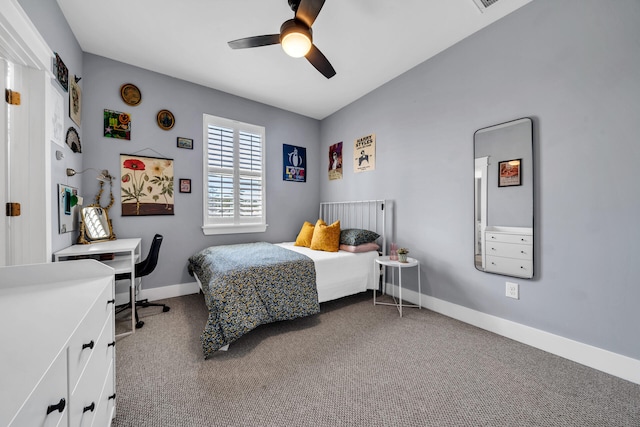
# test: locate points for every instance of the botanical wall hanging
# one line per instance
(147, 185)
(117, 124)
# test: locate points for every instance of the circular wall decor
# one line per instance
(166, 119)
(130, 94)
(73, 140)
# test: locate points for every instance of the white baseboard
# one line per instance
(603, 360)
(154, 294)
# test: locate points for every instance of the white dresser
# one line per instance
(57, 360)
(509, 251)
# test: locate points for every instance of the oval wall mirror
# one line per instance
(503, 183)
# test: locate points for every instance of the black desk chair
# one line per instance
(142, 269)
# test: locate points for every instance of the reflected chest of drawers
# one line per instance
(510, 252)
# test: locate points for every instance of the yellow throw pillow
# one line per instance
(305, 235)
(326, 237)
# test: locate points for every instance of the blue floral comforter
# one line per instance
(248, 285)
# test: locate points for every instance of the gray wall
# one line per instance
(287, 202)
(573, 67)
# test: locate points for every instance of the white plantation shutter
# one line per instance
(234, 183)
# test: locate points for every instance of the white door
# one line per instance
(26, 148)
(4, 171)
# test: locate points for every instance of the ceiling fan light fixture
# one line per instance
(295, 38)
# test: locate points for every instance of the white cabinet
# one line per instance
(509, 251)
(57, 360)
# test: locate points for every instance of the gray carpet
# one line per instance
(355, 365)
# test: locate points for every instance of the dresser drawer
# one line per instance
(510, 250)
(51, 389)
(510, 266)
(85, 398)
(105, 410)
(526, 239)
(84, 339)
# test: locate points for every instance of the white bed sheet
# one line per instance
(339, 274)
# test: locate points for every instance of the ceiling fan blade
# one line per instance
(320, 61)
(256, 41)
(308, 11)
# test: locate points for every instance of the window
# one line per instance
(234, 179)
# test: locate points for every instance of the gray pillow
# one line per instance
(357, 236)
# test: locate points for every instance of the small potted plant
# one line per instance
(402, 254)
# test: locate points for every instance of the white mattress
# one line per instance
(341, 273)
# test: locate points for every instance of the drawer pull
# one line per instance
(113, 396)
(89, 408)
(89, 346)
(111, 344)
(111, 301)
(59, 407)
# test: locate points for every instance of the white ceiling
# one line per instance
(368, 42)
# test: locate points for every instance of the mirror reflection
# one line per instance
(504, 198)
(95, 225)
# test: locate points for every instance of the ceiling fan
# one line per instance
(296, 36)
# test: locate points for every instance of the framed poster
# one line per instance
(117, 125)
(146, 185)
(61, 72)
(294, 163)
(68, 202)
(185, 185)
(56, 124)
(510, 173)
(364, 153)
(75, 102)
(335, 161)
(185, 143)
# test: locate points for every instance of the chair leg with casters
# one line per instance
(145, 303)
(123, 307)
(142, 269)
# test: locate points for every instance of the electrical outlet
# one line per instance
(512, 290)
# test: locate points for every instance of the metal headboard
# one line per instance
(365, 214)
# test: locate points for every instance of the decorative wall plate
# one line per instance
(73, 140)
(166, 119)
(130, 94)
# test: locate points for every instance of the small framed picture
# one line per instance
(165, 119)
(185, 143)
(185, 185)
(61, 72)
(510, 173)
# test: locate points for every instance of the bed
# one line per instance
(246, 285)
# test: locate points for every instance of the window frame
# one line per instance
(236, 224)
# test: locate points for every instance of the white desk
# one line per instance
(127, 253)
(387, 262)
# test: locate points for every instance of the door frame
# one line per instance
(26, 239)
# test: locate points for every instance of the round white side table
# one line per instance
(386, 262)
